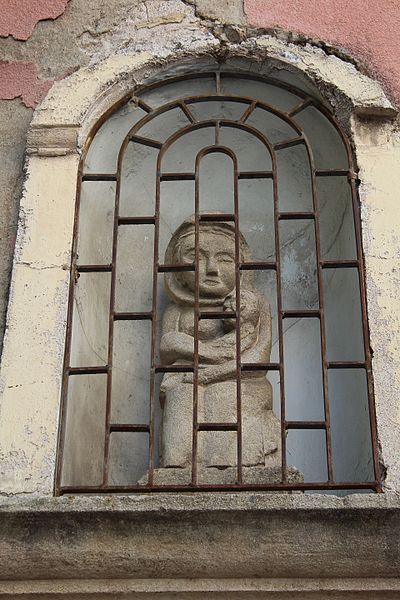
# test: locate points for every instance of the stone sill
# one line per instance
(350, 545)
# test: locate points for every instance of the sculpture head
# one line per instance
(216, 262)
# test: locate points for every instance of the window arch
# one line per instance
(274, 163)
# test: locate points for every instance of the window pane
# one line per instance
(138, 181)
(129, 456)
(294, 179)
(273, 127)
(96, 223)
(270, 94)
(256, 217)
(306, 451)
(336, 219)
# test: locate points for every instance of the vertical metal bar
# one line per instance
(218, 82)
(196, 317)
(364, 315)
(217, 131)
(280, 317)
(237, 324)
(68, 335)
(324, 360)
(111, 322)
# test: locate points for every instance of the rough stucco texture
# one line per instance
(369, 30)
(19, 79)
(18, 18)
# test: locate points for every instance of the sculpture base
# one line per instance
(213, 476)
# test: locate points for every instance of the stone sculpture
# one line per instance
(217, 403)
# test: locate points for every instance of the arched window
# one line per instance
(223, 208)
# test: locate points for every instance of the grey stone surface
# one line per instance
(246, 535)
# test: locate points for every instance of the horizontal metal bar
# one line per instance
(217, 427)
(339, 264)
(257, 266)
(137, 139)
(260, 366)
(94, 268)
(255, 175)
(99, 177)
(133, 316)
(301, 314)
(217, 315)
(305, 425)
(88, 370)
(174, 369)
(217, 217)
(347, 365)
(370, 485)
(127, 428)
(149, 220)
(291, 216)
(289, 143)
(332, 172)
(177, 176)
(175, 268)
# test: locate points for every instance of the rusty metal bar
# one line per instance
(218, 82)
(301, 314)
(293, 216)
(99, 177)
(217, 315)
(261, 366)
(132, 316)
(144, 141)
(289, 143)
(175, 268)
(88, 370)
(150, 220)
(217, 427)
(188, 113)
(129, 428)
(267, 487)
(299, 107)
(305, 425)
(317, 229)
(196, 315)
(217, 218)
(177, 176)
(184, 368)
(339, 264)
(258, 266)
(248, 112)
(333, 172)
(93, 268)
(347, 365)
(255, 175)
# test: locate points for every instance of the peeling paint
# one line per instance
(20, 79)
(18, 19)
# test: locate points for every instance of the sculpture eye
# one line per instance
(225, 257)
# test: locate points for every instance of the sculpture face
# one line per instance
(216, 264)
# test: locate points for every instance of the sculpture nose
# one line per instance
(212, 265)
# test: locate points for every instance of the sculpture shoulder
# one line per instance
(171, 318)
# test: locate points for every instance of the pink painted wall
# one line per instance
(367, 29)
(19, 17)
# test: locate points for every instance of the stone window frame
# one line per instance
(32, 364)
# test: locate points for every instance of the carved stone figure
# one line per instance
(217, 401)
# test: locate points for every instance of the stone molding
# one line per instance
(241, 545)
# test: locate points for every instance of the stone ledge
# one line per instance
(200, 536)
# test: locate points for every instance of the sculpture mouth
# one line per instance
(211, 282)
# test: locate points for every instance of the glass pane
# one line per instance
(216, 183)
(85, 430)
(180, 89)
(336, 219)
(134, 276)
(303, 370)
(326, 144)
(217, 109)
(90, 320)
(265, 282)
(270, 94)
(96, 223)
(131, 372)
(273, 127)
(181, 156)
(256, 217)
(344, 338)
(138, 181)
(351, 437)
(163, 125)
(128, 460)
(298, 265)
(176, 205)
(306, 451)
(102, 156)
(294, 179)
(250, 152)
